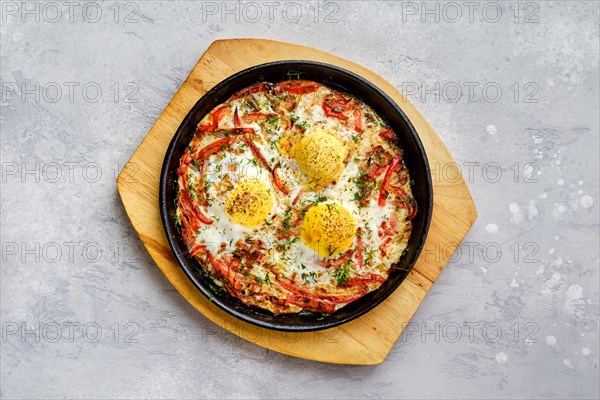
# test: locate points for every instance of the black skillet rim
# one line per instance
(305, 321)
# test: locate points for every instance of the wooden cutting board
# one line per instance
(366, 340)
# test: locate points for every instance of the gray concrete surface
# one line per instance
(511, 88)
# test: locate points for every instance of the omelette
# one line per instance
(294, 196)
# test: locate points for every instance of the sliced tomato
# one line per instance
(335, 105)
(388, 134)
(256, 88)
(195, 250)
(296, 87)
(358, 115)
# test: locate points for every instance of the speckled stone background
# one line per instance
(511, 88)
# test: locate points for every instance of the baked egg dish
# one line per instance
(295, 196)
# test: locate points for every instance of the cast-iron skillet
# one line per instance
(337, 78)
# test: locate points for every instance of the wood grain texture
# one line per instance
(366, 340)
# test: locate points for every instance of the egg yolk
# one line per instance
(328, 229)
(320, 156)
(249, 203)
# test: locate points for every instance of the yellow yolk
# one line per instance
(250, 203)
(328, 229)
(320, 156)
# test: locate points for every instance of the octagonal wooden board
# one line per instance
(366, 340)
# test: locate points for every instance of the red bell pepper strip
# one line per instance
(368, 279)
(257, 116)
(192, 212)
(341, 260)
(292, 287)
(265, 164)
(311, 304)
(405, 200)
(278, 182)
(216, 117)
(211, 148)
(228, 272)
(386, 180)
(236, 119)
(256, 152)
(359, 254)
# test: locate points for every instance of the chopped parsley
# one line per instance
(293, 75)
(342, 274)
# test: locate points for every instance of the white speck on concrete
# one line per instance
(580, 183)
(514, 283)
(574, 300)
(517, 214)
(532, 211)
(550, 340)
(580, 192)
(543, 195)
(491, 129)
(560, 182)
(558, 262)
(501, 358)
(550, 285)
(540, 270)
(567, 363)
(551, 251)
(483, 269)
(586, 201)
(585, 351)
(491, 228)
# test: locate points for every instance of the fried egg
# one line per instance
(328, 229)
(321, 156)
(249, 203)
